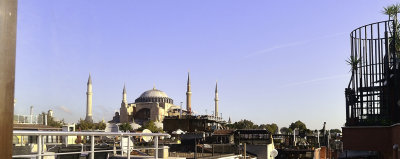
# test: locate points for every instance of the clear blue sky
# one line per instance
(275, 61)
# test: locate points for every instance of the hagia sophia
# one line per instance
(151, 105)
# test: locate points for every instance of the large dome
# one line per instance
(154, 95)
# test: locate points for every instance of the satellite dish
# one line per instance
(274, 153)
(147, 138)
(178, 132)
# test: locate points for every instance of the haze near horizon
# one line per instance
(275, 62)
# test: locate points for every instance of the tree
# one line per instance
(244, 124)
(273, 128)
(101, 126)
(308, 131)
(52, 122)
(124, 127)
(230, 126)
(392, 11)
(263, 126)
(85, 125)
(285, 130)
(298, 124)
(151, 125)
(335, 131)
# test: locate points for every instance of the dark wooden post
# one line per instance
(202, 151)
(223, 148)
(8, 26)
(212, 149)
(195, 148)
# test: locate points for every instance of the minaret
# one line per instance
(123, 111)
(216, 99)
(124, 95)
(188, 96)
(89, 100)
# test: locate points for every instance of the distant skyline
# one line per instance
(275, 61)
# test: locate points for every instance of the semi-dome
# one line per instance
(154, 95)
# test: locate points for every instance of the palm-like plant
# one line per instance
(392, 12)
(124, 127)
(353, 62)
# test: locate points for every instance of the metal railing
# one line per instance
(41, 134)
(374, 75)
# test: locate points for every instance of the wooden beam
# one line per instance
(8, 26)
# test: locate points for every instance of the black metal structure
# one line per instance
(372, 96)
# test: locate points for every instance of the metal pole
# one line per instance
(66, 141)
(92, 147)
(8, 26)
(129, 148)
(114, 149)
(294, 137)
(244, 150)
(319, 145)
(121, 145)
(156, 146)
(39, 146)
